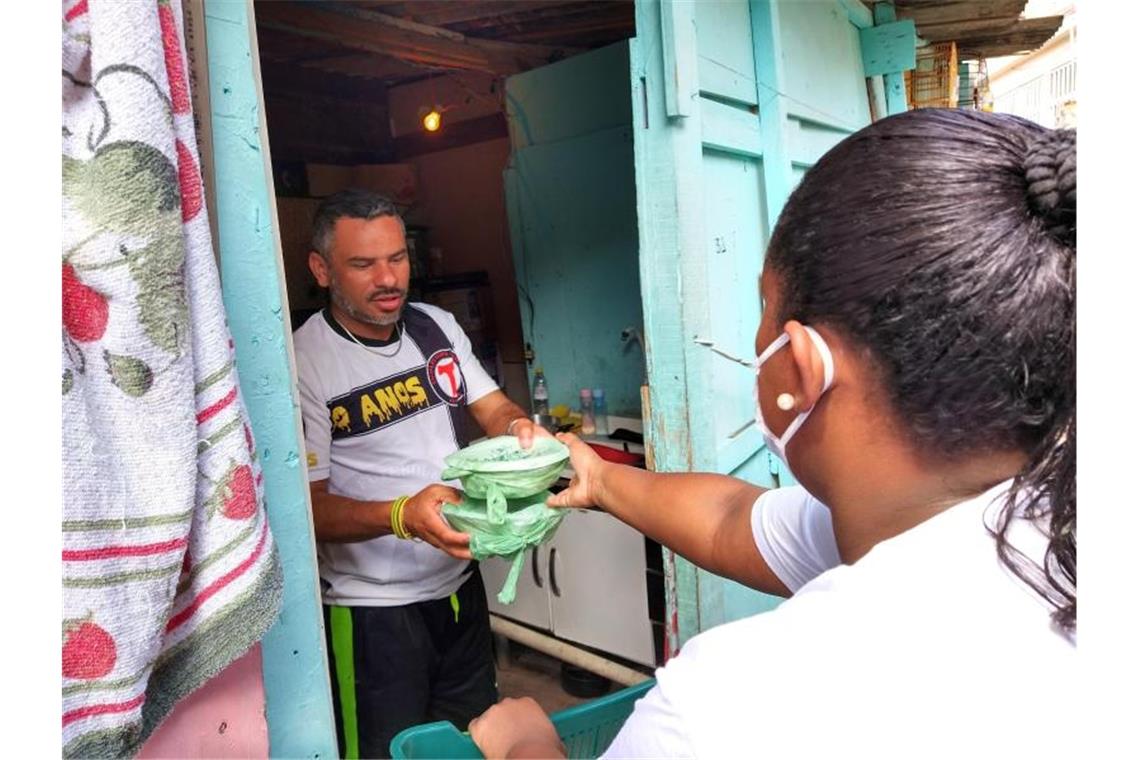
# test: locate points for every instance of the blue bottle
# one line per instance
(601, 424)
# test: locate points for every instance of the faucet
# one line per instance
(633, 335)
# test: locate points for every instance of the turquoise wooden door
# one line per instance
(732, 102)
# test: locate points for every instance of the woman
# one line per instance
(917, 370)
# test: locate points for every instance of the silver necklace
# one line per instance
(370, 349)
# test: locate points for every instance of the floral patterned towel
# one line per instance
(169, 569)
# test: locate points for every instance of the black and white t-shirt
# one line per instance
(379, 427)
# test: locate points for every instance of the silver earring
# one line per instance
(786, 401)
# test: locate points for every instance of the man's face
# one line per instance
(367, 270)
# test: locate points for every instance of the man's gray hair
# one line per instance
(352, 204)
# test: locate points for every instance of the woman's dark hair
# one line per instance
(944, 241)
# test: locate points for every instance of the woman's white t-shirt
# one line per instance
(925, 647)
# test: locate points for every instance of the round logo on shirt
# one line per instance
(445, 376)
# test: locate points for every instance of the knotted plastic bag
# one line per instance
(504, 506)
(498, 469)
(527, 522)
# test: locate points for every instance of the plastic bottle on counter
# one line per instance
(601, 424)
(540, 397)
(587, 402)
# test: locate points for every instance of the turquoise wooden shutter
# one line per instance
(732, 102)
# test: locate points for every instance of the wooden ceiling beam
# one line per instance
(1029, 34)
(552, 13)
(541, 52)
(327, 27)
(417, 43)
(283, 46)
(291, 78)
(323, 55)
(448, 12)
(949, 11)
(959, 29)
(572, 30)
(363, 65)
(569, 16)
(1041, 29)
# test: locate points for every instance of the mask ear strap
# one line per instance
(800, 419)
(825, 356)
(772, 348)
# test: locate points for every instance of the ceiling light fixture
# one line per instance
(432, 119)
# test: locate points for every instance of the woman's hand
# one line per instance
(516, 728)
(586, 486)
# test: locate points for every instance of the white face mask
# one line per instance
(778, 445)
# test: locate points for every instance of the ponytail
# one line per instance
(1047, 486)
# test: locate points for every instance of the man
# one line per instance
(383, 385)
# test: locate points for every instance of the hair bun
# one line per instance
(1051, 171)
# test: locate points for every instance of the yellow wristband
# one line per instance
(404, 532)
(397, 518)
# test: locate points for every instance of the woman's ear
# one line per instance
(808, 364)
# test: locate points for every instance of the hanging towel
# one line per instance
(169, 569)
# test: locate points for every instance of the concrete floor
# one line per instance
(534, 674)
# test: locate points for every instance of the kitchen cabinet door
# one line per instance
(596, 577)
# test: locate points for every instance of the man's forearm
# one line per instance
(339, 519)
(504, 414)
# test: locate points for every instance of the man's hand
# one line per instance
(516, 728)
(585, 487)
(526, 431)
(498, 415)
(423, 519)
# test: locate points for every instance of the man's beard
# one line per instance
(368, 319)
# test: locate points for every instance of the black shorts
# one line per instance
(395, 667)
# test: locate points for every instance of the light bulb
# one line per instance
(432, 121)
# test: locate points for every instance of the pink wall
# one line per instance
(223, 719)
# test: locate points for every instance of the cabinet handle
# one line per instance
(553, 579)
(534, 567)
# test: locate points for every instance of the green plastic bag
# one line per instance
(498, 469)
(527, 523)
